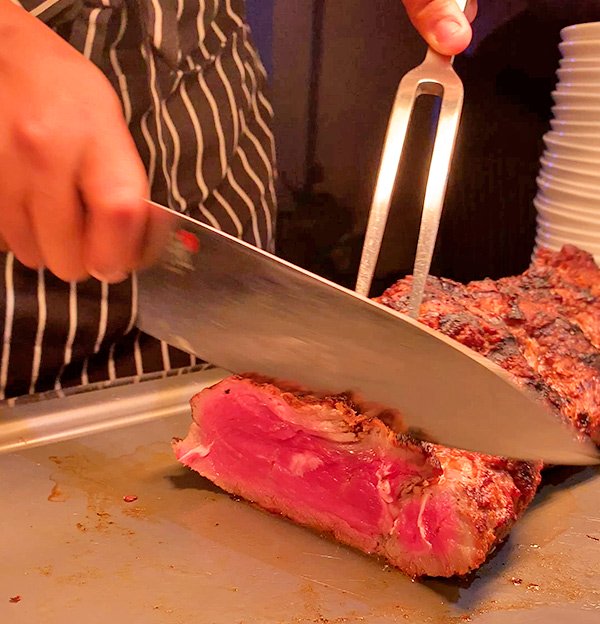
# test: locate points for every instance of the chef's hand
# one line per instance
(442, 24)
(72, 185)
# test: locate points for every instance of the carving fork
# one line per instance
(434, 76)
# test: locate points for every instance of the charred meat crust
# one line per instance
(543, 327)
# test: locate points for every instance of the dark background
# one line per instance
(334, 67)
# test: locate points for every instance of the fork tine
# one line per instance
(443, 82)
(435, 191)
(392, 152)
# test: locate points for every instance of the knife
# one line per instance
(246, 310)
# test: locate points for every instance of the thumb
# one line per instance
(442, 24)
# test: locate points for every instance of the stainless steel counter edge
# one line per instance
(57, 419)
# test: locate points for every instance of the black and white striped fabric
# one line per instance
(193, 92)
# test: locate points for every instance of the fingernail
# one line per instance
(110, 277)
(445, 30)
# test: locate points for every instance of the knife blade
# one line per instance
(246, 310)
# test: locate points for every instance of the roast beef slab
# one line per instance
(427, 509)
(330, 464)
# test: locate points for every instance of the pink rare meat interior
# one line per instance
(322, 463)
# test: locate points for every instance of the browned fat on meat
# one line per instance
(429, 510)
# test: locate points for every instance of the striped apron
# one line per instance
(193, 92)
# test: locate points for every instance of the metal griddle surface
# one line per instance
(186, 552)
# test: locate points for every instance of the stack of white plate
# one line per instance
(568, 198)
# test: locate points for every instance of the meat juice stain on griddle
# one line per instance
(105, 482)
(56, 494)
